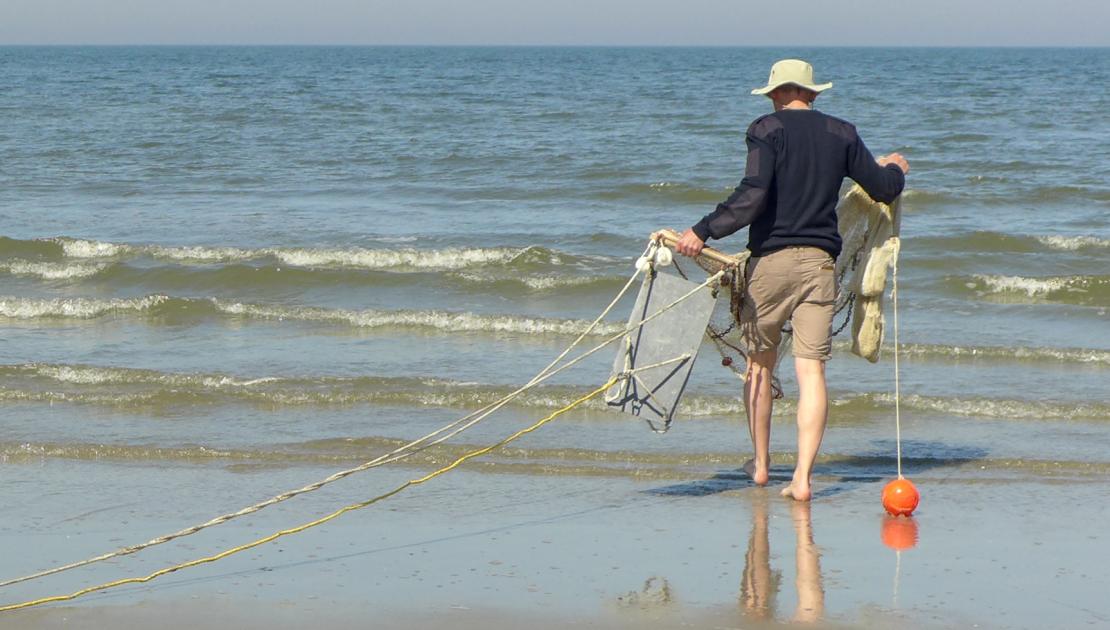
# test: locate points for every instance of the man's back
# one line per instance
(814, 152)
(797, 161)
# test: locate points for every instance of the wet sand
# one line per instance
(997, 548)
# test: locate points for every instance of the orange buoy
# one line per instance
(900, 497)
(899, 533)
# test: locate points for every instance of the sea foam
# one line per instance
(53, 271)
(444, 321)
(1073, 243)
(1032, 287)
(82, 308)
(451, 258)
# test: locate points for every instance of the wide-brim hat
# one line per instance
(792, 72)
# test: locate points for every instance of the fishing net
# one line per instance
(869, 230)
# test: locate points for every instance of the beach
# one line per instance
(230, 272)
(482, 549)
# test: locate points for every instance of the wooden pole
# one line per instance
(669, 238)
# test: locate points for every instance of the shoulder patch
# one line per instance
(841, 128)
(764, 126)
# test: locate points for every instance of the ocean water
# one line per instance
(275, 257)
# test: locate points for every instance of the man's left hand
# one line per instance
(689, 244)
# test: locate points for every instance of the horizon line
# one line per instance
(553, 45)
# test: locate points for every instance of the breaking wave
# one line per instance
(248, 279)
(999, 242)
(1000, 409)
(1007, 353)
(441, 321)
(79, 308)
(126, 387)
(185, 309)
(1082, 290)
(540, 282)
(1073, 243)
(53, 271)
(400, 259)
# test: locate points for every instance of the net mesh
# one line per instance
(864, 224)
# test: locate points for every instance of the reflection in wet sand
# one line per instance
(760, 584)
(811, 592)
(899, 533)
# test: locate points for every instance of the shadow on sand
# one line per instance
(836, 474)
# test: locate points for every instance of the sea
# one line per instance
(259, 263)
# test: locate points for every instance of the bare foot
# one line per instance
(798, 491)
(759, 475)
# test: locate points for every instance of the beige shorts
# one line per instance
(796, 284)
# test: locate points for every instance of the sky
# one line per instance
(560, 22)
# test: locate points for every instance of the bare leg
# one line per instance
(813, 412)
(757, 403)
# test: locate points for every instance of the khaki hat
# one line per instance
(792, 72)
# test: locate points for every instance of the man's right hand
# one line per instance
(897, 160)
(689, 244)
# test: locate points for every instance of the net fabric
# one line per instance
(724, 328)
(869, 230)
(871, 244)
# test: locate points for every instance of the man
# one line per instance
(797, 160)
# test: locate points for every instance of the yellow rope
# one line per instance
(445, 433)
(438, 436)
(320, 521)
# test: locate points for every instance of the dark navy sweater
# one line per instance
(797, 160)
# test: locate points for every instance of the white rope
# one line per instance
(622, 387)
(451, 429)
(628, 376)
(897, 385)
(539, 379)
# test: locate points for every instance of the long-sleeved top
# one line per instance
(797, 161)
